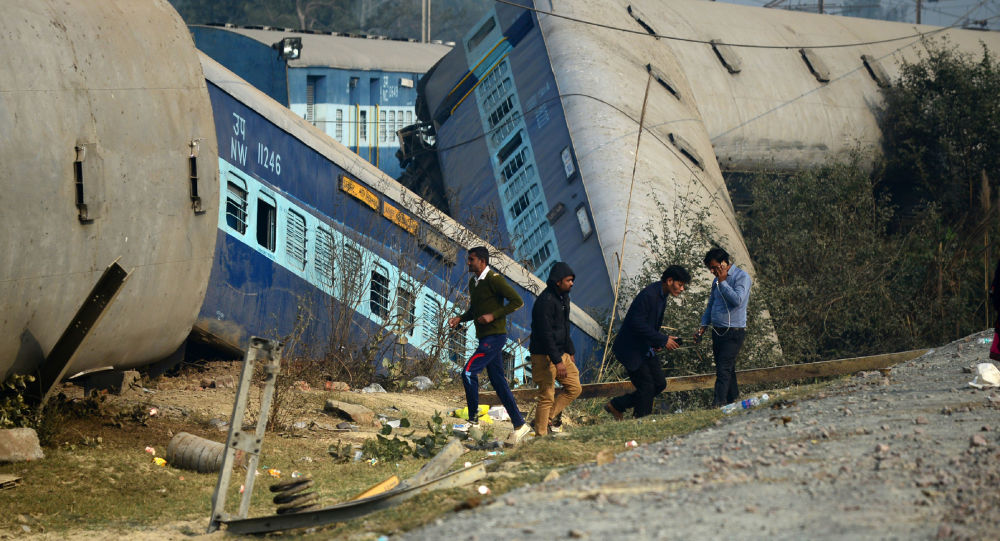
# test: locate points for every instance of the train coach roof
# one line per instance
(350, 52)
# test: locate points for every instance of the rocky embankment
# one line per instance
(912, 456)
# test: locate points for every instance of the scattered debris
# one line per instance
(373, 388)
(353, 412)
(422, 383)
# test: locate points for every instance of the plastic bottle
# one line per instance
(987, 340)
(729, 408)
(750, 403)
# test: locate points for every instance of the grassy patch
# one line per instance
(113, 485)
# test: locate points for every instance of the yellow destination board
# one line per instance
(358, 191)
(399, 218)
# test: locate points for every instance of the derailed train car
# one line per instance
(316, 244)
(537, 113)
(110, 147)
(108, 152)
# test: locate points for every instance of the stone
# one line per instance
(551, 476)
(881, 448)
(226, 382)
(19, 445)
(422, 383)
(113, 381)
(978, 441)
(921, 420)
(353, 412)
(373, 388)
(339, 386)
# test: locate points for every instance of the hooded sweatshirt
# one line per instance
(550, 318)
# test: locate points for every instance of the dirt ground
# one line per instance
(912, 456)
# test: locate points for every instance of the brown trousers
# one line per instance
(543, 372)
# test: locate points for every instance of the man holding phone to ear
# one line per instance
(726, 313)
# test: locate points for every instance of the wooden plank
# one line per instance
(790, 372)
(378, 488)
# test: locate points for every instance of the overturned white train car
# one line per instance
(537, 111)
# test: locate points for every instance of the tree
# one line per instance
(941, 132)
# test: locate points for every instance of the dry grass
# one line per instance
(114, 486)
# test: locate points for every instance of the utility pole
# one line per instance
(425, 21)
(820, 6)
(918, 11)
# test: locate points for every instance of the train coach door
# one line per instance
(374, 92)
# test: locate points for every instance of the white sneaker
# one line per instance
(515, 437)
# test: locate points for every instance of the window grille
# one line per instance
(378, 299)
(236, 207)
(324, 257)
(406, 302)
(295, 239)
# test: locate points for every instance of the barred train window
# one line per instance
(324, 257)
(351, 272)
(340, 125)
(406, 302)
(236, 206)
(433, 320)
(378, 300)
(295, 239)
(381, 126)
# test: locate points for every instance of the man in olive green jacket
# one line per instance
(487, 292)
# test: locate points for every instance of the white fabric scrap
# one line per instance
(987, 375)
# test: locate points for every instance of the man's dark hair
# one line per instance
(716, 254)
(481, 253)
(677, 272)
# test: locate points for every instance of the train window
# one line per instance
(363, 125)
(352, 270)
(267, 218)
(340, 125)
(311, 99)
(399, 120)
(456, 344)
(409, 118)
(381, 126)
(236, 206)
(481, 34)
(406, 317)
(378, 299)
(295, 239)
(433, 321)
(323, 261)
(509, 148)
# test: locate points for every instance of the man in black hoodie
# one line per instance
(552, 352)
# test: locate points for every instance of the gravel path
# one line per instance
(914, 456)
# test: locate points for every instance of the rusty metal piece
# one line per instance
(353, 509)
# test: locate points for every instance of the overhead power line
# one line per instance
(709, 42)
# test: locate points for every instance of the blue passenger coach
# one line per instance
(318, 245)
(503, 139)
(360, 90)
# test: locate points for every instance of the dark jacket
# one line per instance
(641, 329)
(550, 318)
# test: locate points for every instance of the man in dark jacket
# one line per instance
(639, 339)
(552, 352)
(491, 300)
